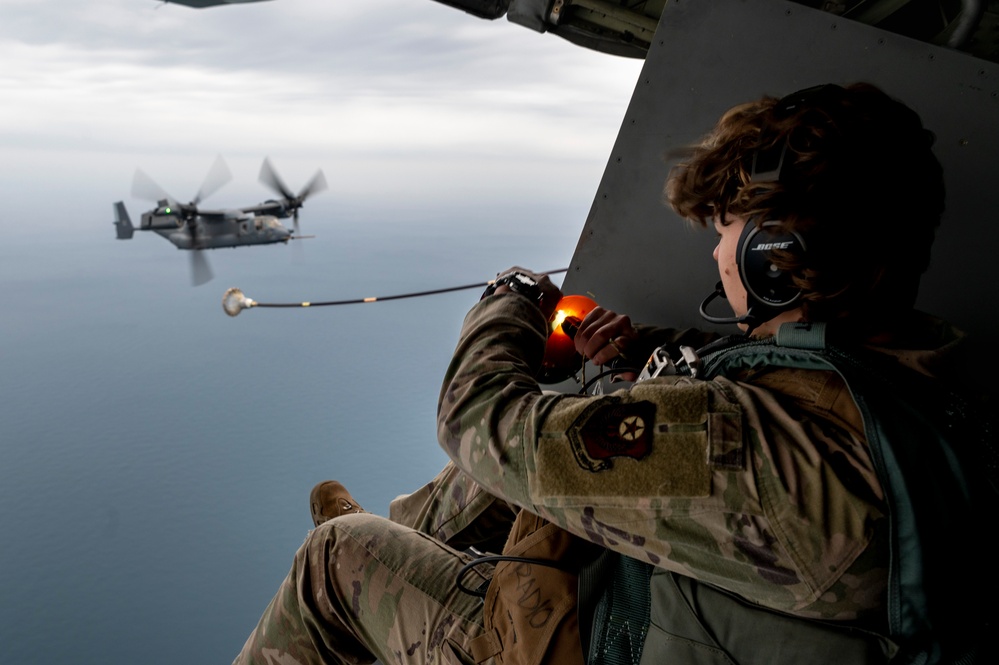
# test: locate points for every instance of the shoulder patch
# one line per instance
(610, 429)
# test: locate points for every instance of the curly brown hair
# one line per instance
(859, 182)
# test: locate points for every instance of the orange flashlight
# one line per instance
(561, 359)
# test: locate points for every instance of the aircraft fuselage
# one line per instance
(232, 232)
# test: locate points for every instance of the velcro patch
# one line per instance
(662, 439)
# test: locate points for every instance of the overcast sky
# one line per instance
(403, 100)
(453, 147)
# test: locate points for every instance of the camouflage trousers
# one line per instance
(363, 587)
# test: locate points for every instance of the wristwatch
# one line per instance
(517, 282)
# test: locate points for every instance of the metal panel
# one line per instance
(636, 256)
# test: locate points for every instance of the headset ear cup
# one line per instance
(767, 286)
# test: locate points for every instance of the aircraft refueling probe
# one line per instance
(234, 301)
(561, 359)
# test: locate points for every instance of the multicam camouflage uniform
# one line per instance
(363, 587)
(760, 485)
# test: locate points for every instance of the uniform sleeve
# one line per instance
(538, 449)
(667, 471)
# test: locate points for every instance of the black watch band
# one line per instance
(517, 282)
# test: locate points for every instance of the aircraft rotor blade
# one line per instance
(314, 186)
(192, 229)
(218, 175)
(298, 253)
(201, 272)
(269, 177)
(144, 187)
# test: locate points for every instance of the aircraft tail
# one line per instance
(122, 223)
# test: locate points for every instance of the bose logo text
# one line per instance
(773, 245)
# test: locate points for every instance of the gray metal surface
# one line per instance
(635, 256)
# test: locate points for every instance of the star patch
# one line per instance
(611, 429)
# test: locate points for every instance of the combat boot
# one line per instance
(330, 499)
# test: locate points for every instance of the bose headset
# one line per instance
(769, 290)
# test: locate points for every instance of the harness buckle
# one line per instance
(661, 364)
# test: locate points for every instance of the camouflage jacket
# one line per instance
(759, 484)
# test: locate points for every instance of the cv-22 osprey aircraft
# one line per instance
(192, 228)
(201, 4)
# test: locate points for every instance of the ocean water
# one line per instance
(156, 455)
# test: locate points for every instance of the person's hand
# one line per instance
(605, 335)
(550, 294)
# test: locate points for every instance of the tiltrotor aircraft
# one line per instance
(192, 228)
(201, 4)
(628, 27)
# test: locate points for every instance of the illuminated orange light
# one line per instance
(561, 359)
(558, 319)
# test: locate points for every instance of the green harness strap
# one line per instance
(622, 611)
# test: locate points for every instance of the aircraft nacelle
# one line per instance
(162, 217)
(273, 208)
(612, 26)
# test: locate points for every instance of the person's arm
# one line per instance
(497, 424)
(685, 474)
